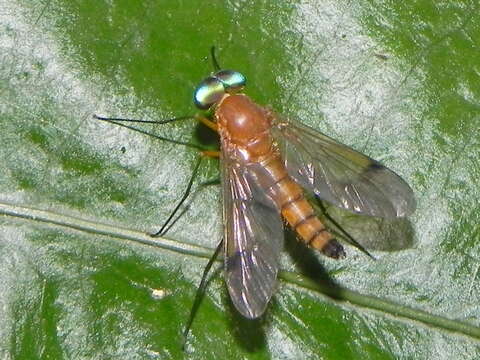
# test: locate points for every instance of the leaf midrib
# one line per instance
(336, 293)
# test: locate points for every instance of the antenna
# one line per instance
(216, 67)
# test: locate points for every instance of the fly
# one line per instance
(266, 162)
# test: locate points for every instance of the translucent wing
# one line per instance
(254, 239)
(341, 175)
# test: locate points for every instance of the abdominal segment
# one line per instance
(295, 209)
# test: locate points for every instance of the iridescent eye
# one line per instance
(233, 81)
(209, 92)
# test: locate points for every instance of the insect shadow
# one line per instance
(248, 333)
(206, 136)
(366, 232)
(307, 262)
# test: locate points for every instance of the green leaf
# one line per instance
(80, 278)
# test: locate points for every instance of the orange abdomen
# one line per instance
(295, 209)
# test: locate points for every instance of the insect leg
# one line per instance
(182, 200)
(165, 121)
(200, 291)
(207, 122)
(121, 122)
(348, 237)
(211, 153)
(166, 226)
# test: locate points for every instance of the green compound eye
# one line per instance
(209, 92)
(212, 89)
(233, 81)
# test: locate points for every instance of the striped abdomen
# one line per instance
(296, 210)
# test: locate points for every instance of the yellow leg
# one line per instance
(207, 122)
(211, 153)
